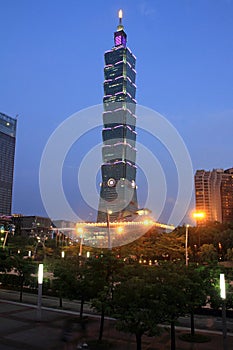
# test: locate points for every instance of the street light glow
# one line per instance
(40, 273)
(222, 286)
(120, 229)
(199, 215)
(80, 230)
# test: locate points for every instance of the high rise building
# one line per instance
(214, 194)
(227, 195)
(118, 197)
(7, 155)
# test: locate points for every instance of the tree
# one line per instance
(208, 253)
(104, 272)
(214, 292)
(170, 246)
(142, 247)
(65, 282)
(154, 245)
(196, 290)
(229, 254)
(4, 262)
(172, 281)
(137, 305)
(23, 268)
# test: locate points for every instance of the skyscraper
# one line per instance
(227, 195)
(7, 155)
(214, 194)
(118, 197)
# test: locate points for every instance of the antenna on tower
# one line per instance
(120, 16)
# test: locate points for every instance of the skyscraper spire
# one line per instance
(120, 36)
(120, 16)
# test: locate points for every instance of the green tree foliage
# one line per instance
(141, 248)
(197, 287)
(229, 254)
(4, 263)
(208, 253)
(73, 280)
(154, 245)
(174, 283)
(138, 305)
(104, 273)
(23, 268)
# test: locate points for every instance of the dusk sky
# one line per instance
(52, 60)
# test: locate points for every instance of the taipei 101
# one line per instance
(116, 175)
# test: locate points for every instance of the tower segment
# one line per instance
(118, 197)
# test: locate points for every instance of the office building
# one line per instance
(227, 195)
(214, 195)
(33, 226)
(118, 197)
(7, 155)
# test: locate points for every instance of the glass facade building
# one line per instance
(118, 197)
(7, 155)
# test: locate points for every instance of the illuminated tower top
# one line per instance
(120, 37)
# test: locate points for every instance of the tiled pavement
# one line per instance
(19, 329)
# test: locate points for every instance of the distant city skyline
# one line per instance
(52, 66)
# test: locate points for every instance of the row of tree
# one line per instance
(140, 297)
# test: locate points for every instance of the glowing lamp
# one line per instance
(80, 230)
(120, 229)
(199, 215)
(40, 273)
(222, 286)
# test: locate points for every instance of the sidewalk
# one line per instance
(21, 330)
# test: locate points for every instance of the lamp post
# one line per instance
(40, 283)
(11, 229)
(186, 245)
(80, 231)
(224, 321)
(109, 212)
(5, 239)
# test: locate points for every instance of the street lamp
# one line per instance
(109, 212)
(11, 229)
(186, 245)
(40, 283)
(120, 230)
(62, 254)
(80, 231)
(224, 321)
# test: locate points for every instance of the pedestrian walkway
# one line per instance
(20, 329)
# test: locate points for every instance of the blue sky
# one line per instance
(52, 66)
